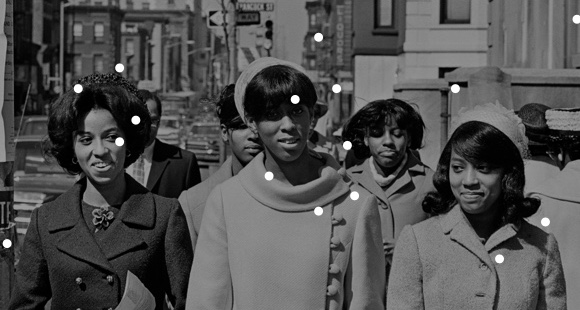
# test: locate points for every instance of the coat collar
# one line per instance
(75, 239)
(159, 163)
(455, 224)
(362, 175)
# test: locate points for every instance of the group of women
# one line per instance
(293, 230)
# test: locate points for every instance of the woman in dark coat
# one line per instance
(80, 247)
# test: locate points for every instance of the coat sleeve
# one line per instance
(210, 283)
(405, 289)
(193, 174)
(32, 289)
(187, 205)
(553, 286)
(178, 257)
(365, 277)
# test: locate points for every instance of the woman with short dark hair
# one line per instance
(389, 133)
(288, 231)
(477, 252)
(80, 248)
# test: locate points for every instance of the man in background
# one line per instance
(164, 169)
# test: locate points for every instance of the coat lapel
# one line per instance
(76, 240)
(136, 213)
(413, 166)
(158, 164)
(457, 227)
(362, 175)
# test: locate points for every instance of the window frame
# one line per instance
(443, 20)
(377, 15)
(96, 37)
(76, 33)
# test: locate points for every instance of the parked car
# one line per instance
(32, 125)
(36, 180)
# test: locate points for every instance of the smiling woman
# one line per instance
(107, 224)
(477, 251)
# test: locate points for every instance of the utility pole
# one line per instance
(232, 42)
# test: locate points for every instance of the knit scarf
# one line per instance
(388, 180)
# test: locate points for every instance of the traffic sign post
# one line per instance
(215, 19)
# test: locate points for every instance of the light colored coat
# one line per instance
(193, 200)
(262, 247)
(442, 264)
(561, 205)
(401, 203)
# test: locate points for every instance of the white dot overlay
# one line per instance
(347, 145)
(576, 19)
(499, 258)
(318, 37)
(354, 195)
(295, 99)
(78, 88)
(269, 176)
(336, 88)
(119, 141)
(455, 88)
(318, 211)
(7, 243)
(545, 222)
(119, 68)
(135, 120)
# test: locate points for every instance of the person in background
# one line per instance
(540, 166)
(288, 231)
(164, 169)
(477, 251)
(79, 248)
(245, 145)
(387, 133)
(317, 141)
(559, 213)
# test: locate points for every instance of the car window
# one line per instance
(29, 160)
(35, 128)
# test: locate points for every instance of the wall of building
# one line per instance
(374, 78)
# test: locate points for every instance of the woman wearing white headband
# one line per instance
(478, 252)
(289, 231)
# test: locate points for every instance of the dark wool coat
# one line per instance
(62, 260)
(173, 170)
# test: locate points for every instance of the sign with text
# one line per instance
(247, 18)
(255, 6)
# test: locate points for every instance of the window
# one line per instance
(130, 47)
(78, 66)
(455, 11)
(131, 28)
(99, 65)
(312, 19)
(312, 45)
(129, 4)
(145, 5)
(384, 13)
(443, 70)
(312, 64)
(99, 31)
(171, 2)
(77, 29)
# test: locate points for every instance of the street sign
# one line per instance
(247, 18)
(255, 6)
(215, 19)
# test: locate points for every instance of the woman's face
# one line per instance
(475, 187)
(284, 131)
(244, 143)
(99, 157)
(387, 145)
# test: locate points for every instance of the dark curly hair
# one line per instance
(375, 115)
(275, 85)
(146, 95)
(98, 92)
(478, 142)
(225, 109)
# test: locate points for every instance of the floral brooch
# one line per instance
(102, 217)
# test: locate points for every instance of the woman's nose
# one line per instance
(387, 139)
(100, 148)
(470, 177)
(287, 123)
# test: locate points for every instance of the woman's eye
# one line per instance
(297, 111)
(85, 140)
(271, 115)
(375, 132)
(456, 168)
(112, 137)
(484, 169)
(398, 133)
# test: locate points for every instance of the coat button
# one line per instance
(483, 266)
(110, 279)
(480, 294)
(337, 219)
(334, 242)
(79, 280)
(383, 205)
(333, 269)
(331, 290)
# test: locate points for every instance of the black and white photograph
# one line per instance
(290, 154)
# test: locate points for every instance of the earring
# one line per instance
(75, 161)
(128, 153)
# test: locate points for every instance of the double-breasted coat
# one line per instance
(401, 203)
(441, 264)
(62, 260)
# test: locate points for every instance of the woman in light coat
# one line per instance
(478, 252)
(288, 231)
